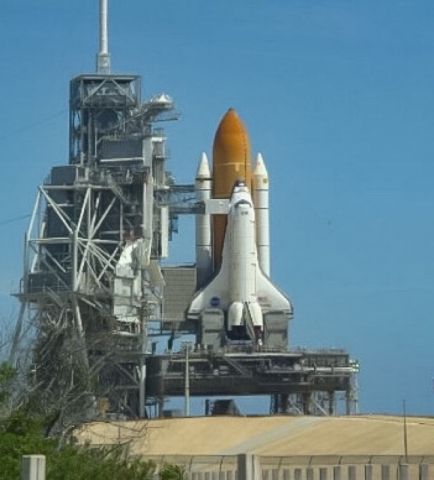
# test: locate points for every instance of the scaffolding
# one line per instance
(92, 281)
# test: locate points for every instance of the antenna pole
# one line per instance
(404, 411)
(103, 57)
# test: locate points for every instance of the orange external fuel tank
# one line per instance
(231, 163)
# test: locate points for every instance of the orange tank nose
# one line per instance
(231, 163)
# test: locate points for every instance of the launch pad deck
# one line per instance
(298, 381)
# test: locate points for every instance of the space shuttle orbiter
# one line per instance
(232, 238)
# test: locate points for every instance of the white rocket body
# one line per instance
(240, 248)
(261, 202)
(203, 223)
(240, 288)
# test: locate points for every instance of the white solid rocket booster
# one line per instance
(203, 222)
(261, 202)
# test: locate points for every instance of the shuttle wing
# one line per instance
(215, 294)
(212, 295)
(269, 296)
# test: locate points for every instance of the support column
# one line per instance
(274, 402)
(385, 472)
(403, 472)
(249, 467)
(283, 403)
(352, 472)
(323, 474)
(142, 370)
(33, 467)
(160, 407)
(348, 401)
(187, 383)
(332, 405)
(287, 474)
(306, 399)
(424, 471)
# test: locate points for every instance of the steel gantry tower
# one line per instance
(100, 226)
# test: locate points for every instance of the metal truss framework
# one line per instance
(69, 280)
(92, 281)
(307, 382)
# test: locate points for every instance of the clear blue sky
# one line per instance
(338, 95)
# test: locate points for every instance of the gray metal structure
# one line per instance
(94, 290)
(92, 282)
(298, 381)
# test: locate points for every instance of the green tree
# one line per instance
(23, 432)
(172, 472)
(7, 375)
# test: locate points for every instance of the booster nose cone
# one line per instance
(260, 169)
(231, 163)
(203, 171)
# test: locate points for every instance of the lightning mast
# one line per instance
(103, 61)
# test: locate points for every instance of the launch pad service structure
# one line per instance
(96, 293)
